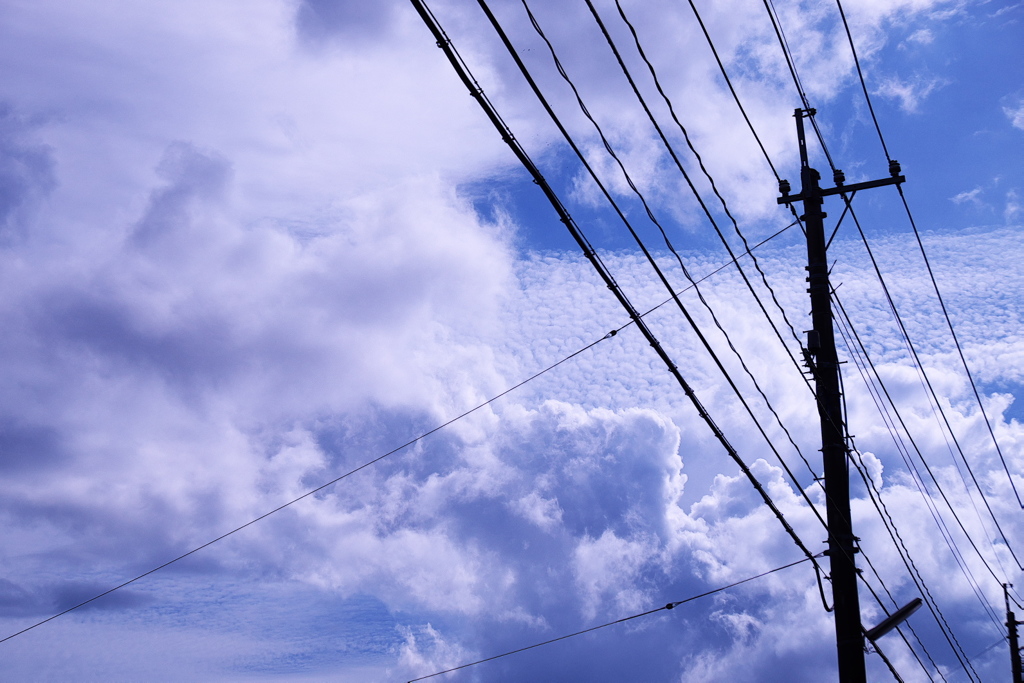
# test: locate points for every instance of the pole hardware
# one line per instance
(893, 620)
(1011, 628)
(822, 360)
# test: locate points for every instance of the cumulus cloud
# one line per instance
(236, 264)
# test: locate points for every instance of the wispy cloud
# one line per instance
(1015, 112)
(910, 93)
(1013, 208)
(237, 264)
(967, 196)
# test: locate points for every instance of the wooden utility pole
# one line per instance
(1011, 627)
(824, 365)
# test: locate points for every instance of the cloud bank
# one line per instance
(238, 259)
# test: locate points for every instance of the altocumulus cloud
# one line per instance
(236, 263)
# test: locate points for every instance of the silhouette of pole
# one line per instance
(824, 364)
(1011, 627)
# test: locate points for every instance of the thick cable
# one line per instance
(611, 200)
(717, 270)
(323, 486)
(903, 551)
(863, 83)
(927, 263)
(790, 63)
(668, 606)
(728, 83)
(847, 200)
(915, 575)
(650, 258)
(786, 51)
(824, 147)
(863, 367)
(529, 379)
(922, 586)
(959, 350)
(899, 628)
(700, 162)
(462, 70)
(927, 380)
(948, 540)
(892, 669)
(901, 447)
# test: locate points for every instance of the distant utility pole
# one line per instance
(824, 365)
(1011, 626)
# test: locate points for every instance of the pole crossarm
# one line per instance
(823, 361)
(840, 189)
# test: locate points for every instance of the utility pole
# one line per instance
(1011, 626)
(824, 364)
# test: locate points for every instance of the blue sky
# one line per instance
(244, 249)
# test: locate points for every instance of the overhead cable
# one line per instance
(899, 627)
(323, 486)
(700, 163)
(728, 82)
(869, 373)
(936, 403)
(477, 92)
(927, 263)
(668, 606)
(958, 651)
(918, 579)
(392, 452)
(543, 100)
(847, 199)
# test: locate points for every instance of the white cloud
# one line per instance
(1016, 114)
(922, 37)
(1013, 207)
(967, 196)
(911, 93)
(236, 265)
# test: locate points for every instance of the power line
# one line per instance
(669, 606)
(937, 404)
(781, 36)
(919, 482)
(863, 83)
(583, 160)
(639, 241)
(927, 263)
(323, 486)
(728, 82)
(915, 573)
(510, 141)
(899, 628)
(700, 162)
(960, 351)
(639, 96)
(393, 451)
(847, 199)
(785, 48)
(462, 70)
(866, 367)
